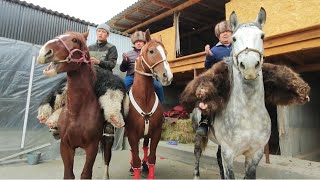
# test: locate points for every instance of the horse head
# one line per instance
(247, 46)
(64, 53)
(153, 58)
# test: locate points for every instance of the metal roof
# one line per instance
(58, 14)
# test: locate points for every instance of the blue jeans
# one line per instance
(128, 81)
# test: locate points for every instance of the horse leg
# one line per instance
(219, 159)
(106, 143)
(155, 138)
(227, 162)
(197, 153)
(251, 164)
(135, 161)
(145, 168)
(67, 155)
(91, 154)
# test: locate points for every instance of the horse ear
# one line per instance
(159, 38)
(85, 35)
(233, 19)
(261, 19)
(147, 34)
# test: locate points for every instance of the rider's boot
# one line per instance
(203, 126)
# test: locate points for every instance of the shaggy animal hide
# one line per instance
(106, 80)
(282, 87)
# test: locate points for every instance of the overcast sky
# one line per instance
(94, 11)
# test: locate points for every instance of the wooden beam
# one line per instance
(292, 47)
(307, 68)
(132, 19)
(293, 37)
(163, 15)
(162, 4)
(121, 26)
(146, 12)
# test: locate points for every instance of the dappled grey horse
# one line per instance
(243, 126)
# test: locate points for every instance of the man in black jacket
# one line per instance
(103, 53)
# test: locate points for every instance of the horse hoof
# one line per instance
(131, 171)
(145, 170)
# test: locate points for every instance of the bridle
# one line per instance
(82, 59)
(143, 61)
(247, 50)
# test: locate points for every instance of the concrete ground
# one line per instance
(53, 169)
(280, 167)
(173, 162)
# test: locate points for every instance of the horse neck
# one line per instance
(143, 88)
(80, 87)
(246, 91)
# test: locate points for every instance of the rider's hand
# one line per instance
(125, 57)
(94, 60)
(208, 50)
(203, 106)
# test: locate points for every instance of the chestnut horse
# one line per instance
(81, 121)
(144, 119)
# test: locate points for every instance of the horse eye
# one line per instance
(262, 36)
(75, 40)
(257, 65)
(151, 51)
(234, 39)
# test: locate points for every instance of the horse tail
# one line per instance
(106, 142)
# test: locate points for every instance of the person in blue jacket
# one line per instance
(222, 49)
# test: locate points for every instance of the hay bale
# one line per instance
(180, 131)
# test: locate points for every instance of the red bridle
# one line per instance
(82, 59)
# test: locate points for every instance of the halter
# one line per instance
(246, 50)
(69, 59)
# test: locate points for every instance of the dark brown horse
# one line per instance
(144, 119)
(81, 120)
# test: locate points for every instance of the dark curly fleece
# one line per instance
(282, 87)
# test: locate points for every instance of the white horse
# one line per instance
(243, 126)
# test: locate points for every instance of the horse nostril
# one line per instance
(241, 65)
(49, 53)
(257, 65)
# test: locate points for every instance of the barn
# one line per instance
(292, 38)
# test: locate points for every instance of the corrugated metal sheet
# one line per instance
(26, 22)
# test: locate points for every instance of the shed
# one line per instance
(292, 37)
